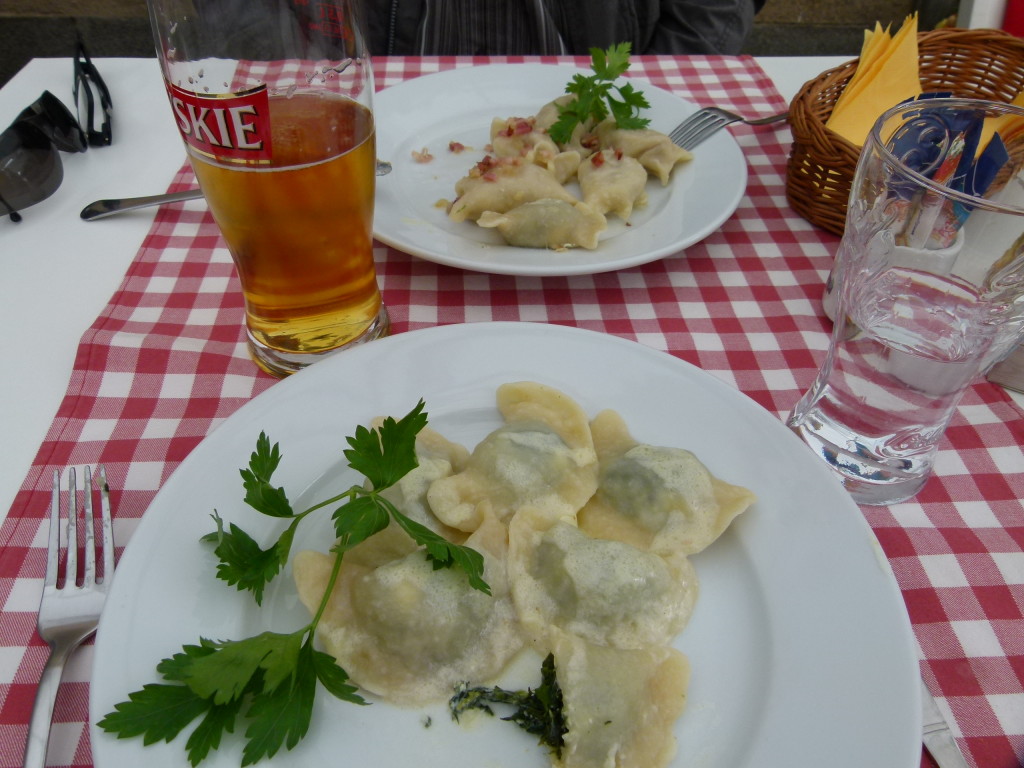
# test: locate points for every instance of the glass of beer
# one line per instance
(273, 99)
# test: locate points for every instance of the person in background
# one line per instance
(519, 27)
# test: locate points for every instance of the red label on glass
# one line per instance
(232, 127)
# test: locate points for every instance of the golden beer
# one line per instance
(300, 230)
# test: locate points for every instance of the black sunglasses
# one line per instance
(90, 88)
(30, 164)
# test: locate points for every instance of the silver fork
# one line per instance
(710, 120)
(70, 612)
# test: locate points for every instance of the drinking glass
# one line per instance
(273, 100)
(928, 288)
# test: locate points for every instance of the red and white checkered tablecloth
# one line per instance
(166, 361)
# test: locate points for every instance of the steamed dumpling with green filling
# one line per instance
(406, 631)
(659, 499)
(620, 706)
(607, 592)
(555, 224)
(542, 456)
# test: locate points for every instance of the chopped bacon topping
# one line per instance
(518, 126)
(487, 164)
(423, 156)
(456, 146)
(487, 168)
(597, 160)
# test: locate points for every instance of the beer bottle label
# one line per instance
(233, 127)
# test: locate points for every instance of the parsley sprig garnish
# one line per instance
(597, 96)
(269, 681)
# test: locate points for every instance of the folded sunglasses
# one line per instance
(30, 164)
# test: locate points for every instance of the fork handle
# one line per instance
(42, 710)
(770, 119)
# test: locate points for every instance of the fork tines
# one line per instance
(89, 530)
(697, 127)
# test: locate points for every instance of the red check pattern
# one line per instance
(166, 362)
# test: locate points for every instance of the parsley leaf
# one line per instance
(219, 719)
(243, 563)
(387, 454)
(177, 667)
(334, 678)
(359, 520)
(259, 493)
(225, 674)
(597, 96)
(158, 712)
(443, 553)
(281, 715)
(270, 680)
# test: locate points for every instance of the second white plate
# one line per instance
(801, 647)
(459, 104)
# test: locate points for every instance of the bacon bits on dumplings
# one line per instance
(613, 183)
(654, 150)
(610, 166)
(500, 185)
(586, 535)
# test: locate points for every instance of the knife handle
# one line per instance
(103, 208)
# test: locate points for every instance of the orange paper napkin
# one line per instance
(886, 75)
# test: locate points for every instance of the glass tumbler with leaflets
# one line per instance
(273, 99)
(928, 286)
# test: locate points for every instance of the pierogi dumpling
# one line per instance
(612, 182)
(408, 632)
(620, 706)
(653, 150)
(659, 499)
(542, 456)
(554, 224)
(504, 183)
(606, 592)
(586, 535)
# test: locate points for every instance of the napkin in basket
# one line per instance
(887, 74)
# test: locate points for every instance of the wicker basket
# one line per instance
(982, 63)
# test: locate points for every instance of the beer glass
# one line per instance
(929, 290)
(273, 99)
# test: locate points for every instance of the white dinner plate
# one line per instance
(800, 645)
(459, 104)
